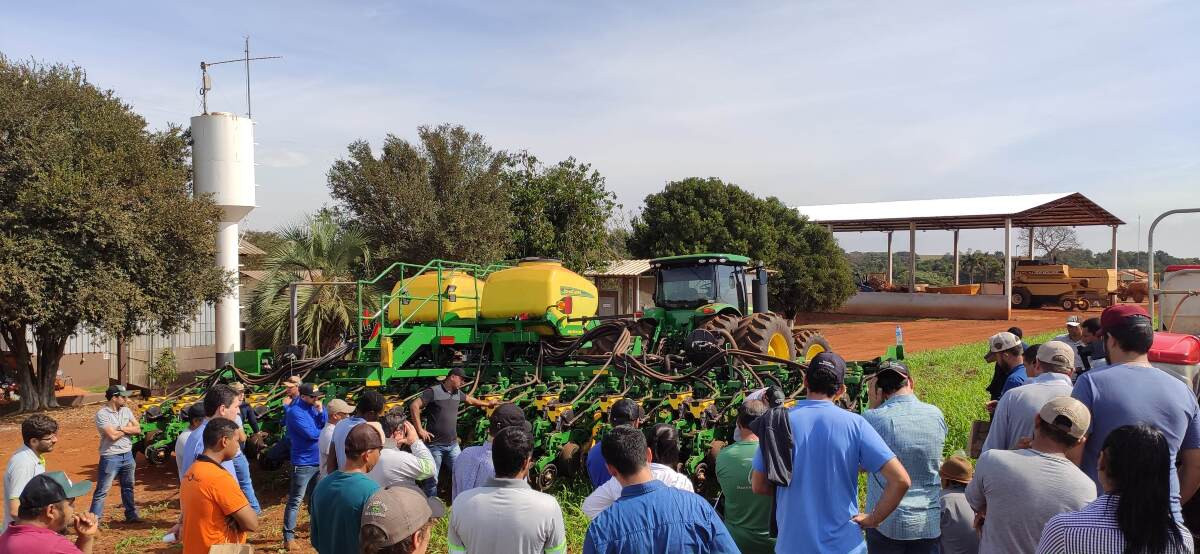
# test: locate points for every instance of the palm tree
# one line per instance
(319, 250)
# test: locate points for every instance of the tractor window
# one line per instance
(686, 287)
(730, 290)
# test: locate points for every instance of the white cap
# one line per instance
(1073, 321)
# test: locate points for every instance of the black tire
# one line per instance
(1067, 303)
(721, 322)
(815, 343)
(1021, 298)
(758, 332)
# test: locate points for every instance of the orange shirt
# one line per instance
(207, 495)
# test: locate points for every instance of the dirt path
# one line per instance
(156, 490)
(865, 337)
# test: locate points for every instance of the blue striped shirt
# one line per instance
(1093, 530)
(916, 432)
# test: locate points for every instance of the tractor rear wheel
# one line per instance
(814, 344)
(766, 333)
(727, 323)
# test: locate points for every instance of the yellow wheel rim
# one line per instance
(813, 351)
(778, 347)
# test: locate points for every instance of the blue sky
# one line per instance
(815, 102)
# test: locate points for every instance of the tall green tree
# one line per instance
(708, 215)
(319, 250)
(98, 228)
(441, 197)
(560, 211)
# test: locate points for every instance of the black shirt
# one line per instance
(441, 412)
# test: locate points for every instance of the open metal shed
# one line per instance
(954, 214)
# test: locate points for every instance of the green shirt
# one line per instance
(747, 515)
(336, 511)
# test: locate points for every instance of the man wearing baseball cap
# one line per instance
(1005, 350)
(47, 509)
(339, 499)
(335, 411)
(304, 420)
(957, 518)
(830, 445)
(916, 432)
(1051, 378)
(399, 519)
(625, 411)
(116, 423)
(474, 466)
(1131, 391)
(1018, 491)
(1075, 339)
(291, 389)
(441, 403)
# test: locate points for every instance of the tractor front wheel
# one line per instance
(766, 333)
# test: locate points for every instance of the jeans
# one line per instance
(241, 466)
(878, 543)
(446, 453)
(304, 480)
(110, 467)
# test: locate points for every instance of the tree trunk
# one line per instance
(36, 380)
(50, 346)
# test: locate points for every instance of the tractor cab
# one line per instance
(718, 281)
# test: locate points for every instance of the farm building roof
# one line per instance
(984, 212)
(247, 249)
(620, 268)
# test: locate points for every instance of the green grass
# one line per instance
(955, 379)
(139, 543)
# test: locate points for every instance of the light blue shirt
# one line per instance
(194, 447)
(916, 432)
(1126, 394)
(473, 468)
(652, 518)
(814, 511)
(1014, 413)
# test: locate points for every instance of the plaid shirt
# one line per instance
(916, 432)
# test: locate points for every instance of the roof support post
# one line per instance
(912, 256)
(1008, 269)
(956, 266)
(889, 259)
(1112, 298)
(1030, 251)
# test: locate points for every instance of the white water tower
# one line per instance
(223, 166)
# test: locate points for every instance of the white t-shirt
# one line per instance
(22, 466)
(323, 443)
(610, 491)
(179, 442)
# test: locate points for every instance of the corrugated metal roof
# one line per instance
(1028, 210)
(247, 249)
(621, 268)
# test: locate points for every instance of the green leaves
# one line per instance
(97, 227)
(440, 198)
(561, 211)
(709, 215)
(320, 250)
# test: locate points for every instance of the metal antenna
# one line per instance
(206, 81)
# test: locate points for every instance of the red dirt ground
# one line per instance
(157, 490)
(865, 337)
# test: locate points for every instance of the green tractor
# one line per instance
(724, 295)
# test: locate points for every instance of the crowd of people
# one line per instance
(1090, 450)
